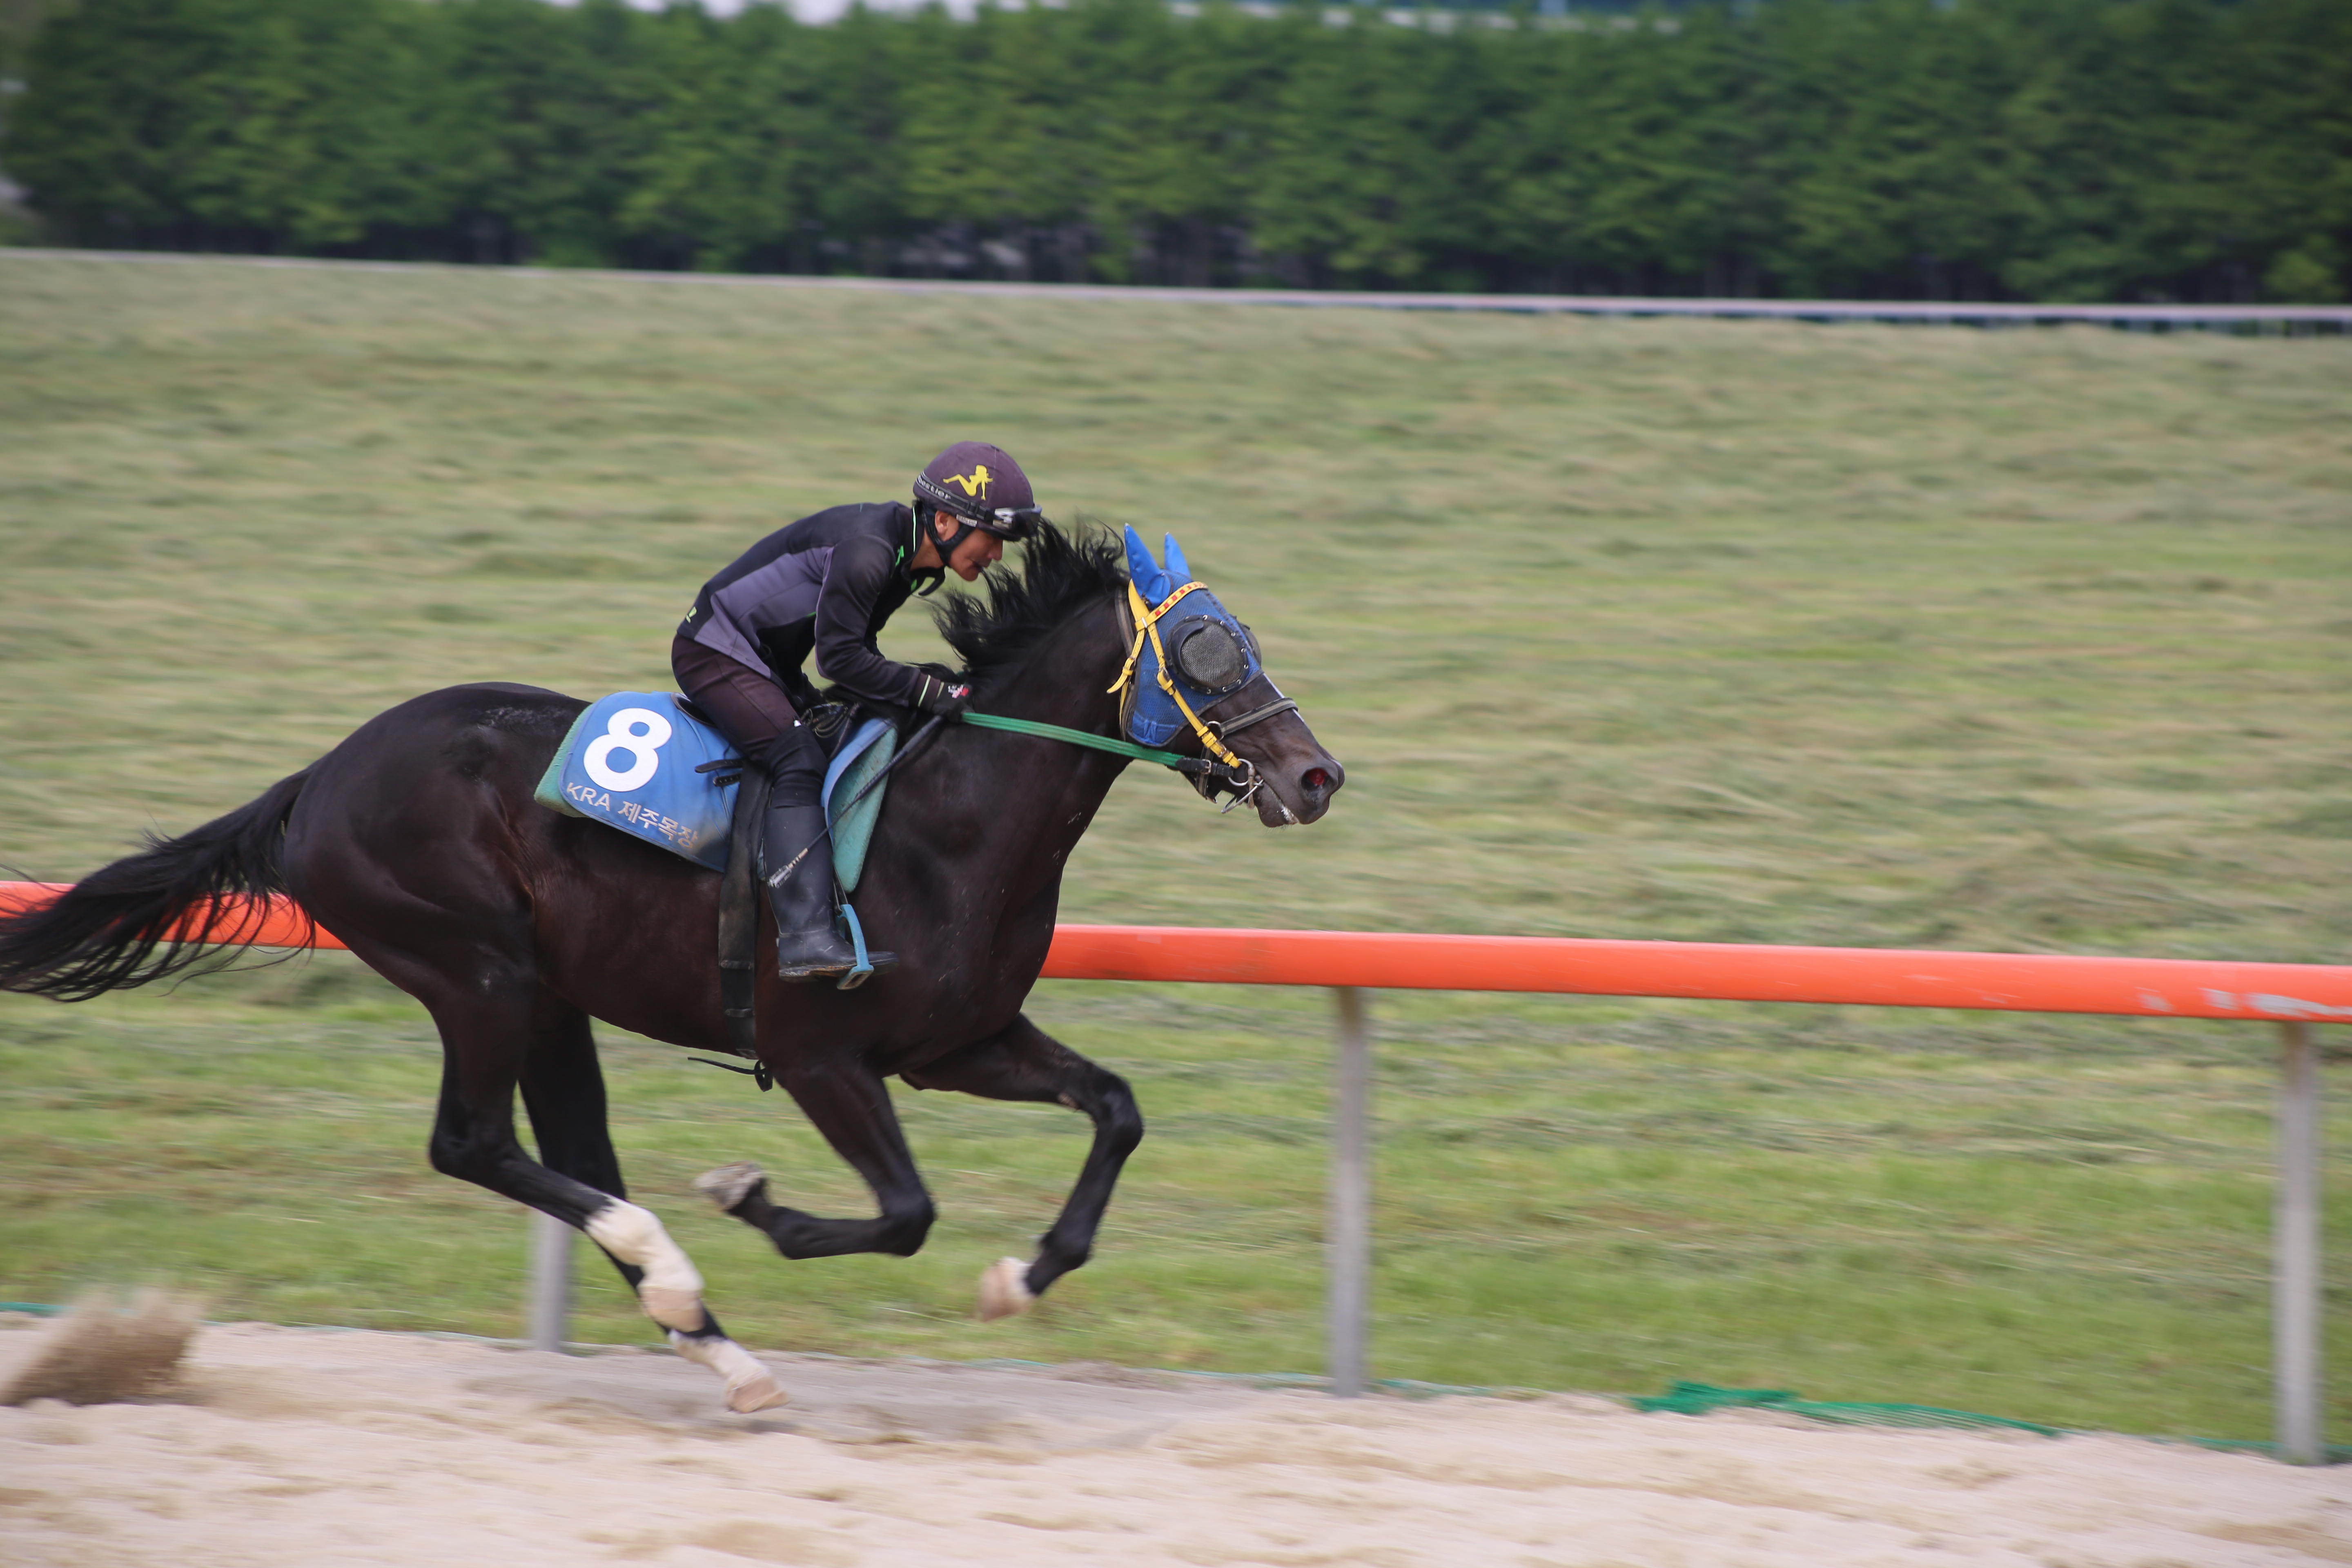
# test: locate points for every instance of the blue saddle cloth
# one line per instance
(630, 763)
(634, 761)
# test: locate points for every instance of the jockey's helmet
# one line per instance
(982, 486)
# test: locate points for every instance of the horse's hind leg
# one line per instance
(1023, 1062)
(563, 1092)
(498, 1026)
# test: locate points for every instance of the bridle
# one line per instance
(1223, 769)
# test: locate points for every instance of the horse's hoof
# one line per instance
(755, 1394)
(729, 1185)
(1004, 1289)
(749, 1385)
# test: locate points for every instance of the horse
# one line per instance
(418, 843)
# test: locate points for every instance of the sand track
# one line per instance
(304, 1447)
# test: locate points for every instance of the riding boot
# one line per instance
(796, 859)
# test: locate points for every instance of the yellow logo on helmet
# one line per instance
(977, 484)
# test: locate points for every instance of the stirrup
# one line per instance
(875, 962)
(854, 969)
(848, 974)
(868, 963)
(806, 965)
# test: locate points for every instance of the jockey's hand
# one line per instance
(946, 699)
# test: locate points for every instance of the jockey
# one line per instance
(826, 584)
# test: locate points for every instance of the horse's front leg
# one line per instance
(846, 1103)
(1023, 1062)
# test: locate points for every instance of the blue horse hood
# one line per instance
(1154, 717)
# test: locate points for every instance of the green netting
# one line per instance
(2337, 1453)
(1700, 1398)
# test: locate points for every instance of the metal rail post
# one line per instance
(1350, 1239)
(2295, 1289)
(549, 1304)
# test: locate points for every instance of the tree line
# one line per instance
(1977, 149)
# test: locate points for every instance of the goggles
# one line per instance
(1015, 523)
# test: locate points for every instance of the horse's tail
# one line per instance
(149, 916)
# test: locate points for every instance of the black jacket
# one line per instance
(824, 584)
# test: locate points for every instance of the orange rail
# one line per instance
(1730, 971)
(1880, 977)
(280, 923)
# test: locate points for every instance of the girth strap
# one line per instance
(739, 916)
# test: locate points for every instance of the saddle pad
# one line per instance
(867, 751)
(629, 762)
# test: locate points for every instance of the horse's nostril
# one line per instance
(1315, 778)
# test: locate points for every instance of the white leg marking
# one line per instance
(671, 1291)
(729, 1185)
(749, 1385)
(1004, 1289)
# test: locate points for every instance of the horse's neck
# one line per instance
(1042, 809)
(1066, 677)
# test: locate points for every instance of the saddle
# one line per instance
(651, 765)
(654, 766)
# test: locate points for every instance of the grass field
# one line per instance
(2029, 641)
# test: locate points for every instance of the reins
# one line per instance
(1088, 738)
(1222, 766)
(1242, 781)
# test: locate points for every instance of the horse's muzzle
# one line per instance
(1316, 785)
(1299, 792)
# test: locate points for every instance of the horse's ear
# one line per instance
(1148, 579)
(1180, 571)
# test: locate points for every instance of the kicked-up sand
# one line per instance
(312, 1447)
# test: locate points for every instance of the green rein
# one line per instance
(1077, 738)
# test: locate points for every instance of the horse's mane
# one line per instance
(1061, 573)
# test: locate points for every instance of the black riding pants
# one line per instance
(752, 711)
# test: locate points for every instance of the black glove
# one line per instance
(941, 697)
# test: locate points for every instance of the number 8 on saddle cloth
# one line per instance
(641, 762)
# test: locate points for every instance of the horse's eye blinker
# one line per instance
(1210, 656)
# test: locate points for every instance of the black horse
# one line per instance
(418, 843)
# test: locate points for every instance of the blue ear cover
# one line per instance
(1152, 716)
(1149, 580)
